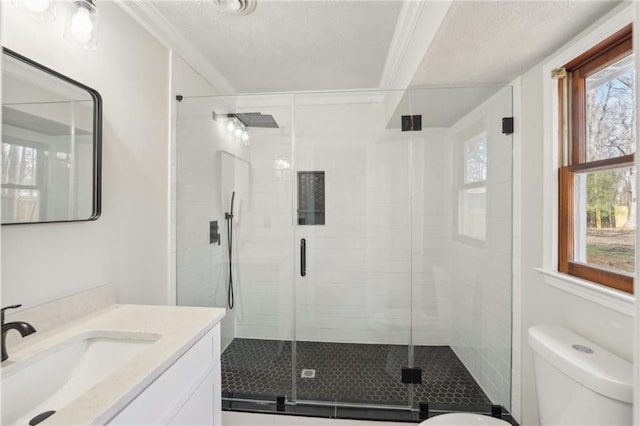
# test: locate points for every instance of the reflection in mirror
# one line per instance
(50, 145)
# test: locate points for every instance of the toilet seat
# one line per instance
(464, 419)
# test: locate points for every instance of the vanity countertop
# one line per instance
(178, 328)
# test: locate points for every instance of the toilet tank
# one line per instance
(579, 382)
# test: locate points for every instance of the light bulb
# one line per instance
(230, 126)
(245, 136)
(81, 25)
(44, 10)
(238, 131)
(37, 6)
(231, 5)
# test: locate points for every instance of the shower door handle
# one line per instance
(303, 257)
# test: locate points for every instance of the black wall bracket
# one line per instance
(507, 125)
(424, 410)
(496, 411)
(179, 98)
(411, 123)
(280, 403)
(411, 375)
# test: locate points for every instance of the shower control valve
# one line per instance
(214, 235)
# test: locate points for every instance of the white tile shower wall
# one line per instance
(431, 306)
(358, 283)
(264, 233)
(481, 273)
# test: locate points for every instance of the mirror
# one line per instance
(51, 145)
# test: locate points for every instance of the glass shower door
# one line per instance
(353, 250)
(234, 176)
(462, 238)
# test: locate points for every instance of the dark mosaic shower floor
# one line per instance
(347, 372)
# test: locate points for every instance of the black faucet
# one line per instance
(22, 327)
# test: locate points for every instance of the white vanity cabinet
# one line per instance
(187, 393)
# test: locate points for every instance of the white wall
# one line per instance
(129, 245)
(542, 303)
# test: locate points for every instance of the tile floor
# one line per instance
(347, 372)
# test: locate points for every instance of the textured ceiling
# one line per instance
(485, 42)
(441, 107)
(291, 45)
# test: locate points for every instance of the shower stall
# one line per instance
(365, 248)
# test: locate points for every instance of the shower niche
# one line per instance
(384, 283)
(311, 201)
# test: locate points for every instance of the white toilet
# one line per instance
(464, 419)
(579, 382)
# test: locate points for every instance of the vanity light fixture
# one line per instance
(82, 28)
(44, 10)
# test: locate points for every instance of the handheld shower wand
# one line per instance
(229, 218)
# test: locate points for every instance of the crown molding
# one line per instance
(406, 24)
(147, 15)
(417, 25)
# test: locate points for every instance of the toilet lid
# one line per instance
(464, 419)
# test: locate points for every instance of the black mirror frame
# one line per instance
(97, 137)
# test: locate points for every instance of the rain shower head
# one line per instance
(252, 119)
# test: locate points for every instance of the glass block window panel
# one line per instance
(311, 201)
(605, 227)
(610, 123)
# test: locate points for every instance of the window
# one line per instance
(597, 194)
(22, 175)
(472, 193)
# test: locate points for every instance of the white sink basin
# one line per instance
(53, 378)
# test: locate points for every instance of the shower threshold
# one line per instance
(347, 411)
